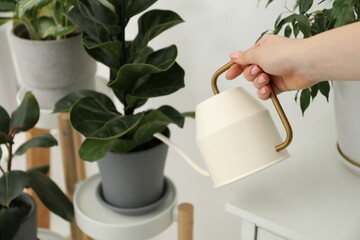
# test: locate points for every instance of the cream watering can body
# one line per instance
(235, 134)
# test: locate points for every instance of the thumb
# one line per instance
(244, 58)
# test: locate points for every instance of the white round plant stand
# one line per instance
(103, 224)
(45, 234)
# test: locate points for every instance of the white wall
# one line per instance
(212, 29)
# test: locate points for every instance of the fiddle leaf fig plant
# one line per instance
(42, 19)
(137, 73)
(305, 22)
(13, 182)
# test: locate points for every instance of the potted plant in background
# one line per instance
(48, 55)
(17, 209)
(346, 93)
(7, 72)
(137, 72)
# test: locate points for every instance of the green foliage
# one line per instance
(42, 19)
(302, 22)
(13, 182)
(137, 73)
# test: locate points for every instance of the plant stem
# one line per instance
(2, 170)
(9, 163)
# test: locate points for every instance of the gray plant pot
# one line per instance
(133, 180)
(28, 227)
(52, 69)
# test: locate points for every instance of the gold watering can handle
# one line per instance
(274, 99)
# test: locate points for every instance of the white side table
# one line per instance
(310, 196)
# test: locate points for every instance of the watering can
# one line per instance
(235, 134)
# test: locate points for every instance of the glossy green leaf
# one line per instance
(12, 185)
(107, 53)
(314, 91)
(284, 21)
(65, 103)
(42, 141)
(162, 83)
(90, 28)
(26, 115)
(93, 120)
(304, 25)
(93, 149)
(288, 31)
(305, 98)
(129, 74)
(4, 120)
(343, 12)
(156, 121)
(51, 195)
(135, 7)
(96, 11)
(31, 6)
(305, 5)
(324, 88)
(10, 220)
(151, 24)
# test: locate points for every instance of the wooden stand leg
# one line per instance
(185, 221)
(38, 157)
(74, 169)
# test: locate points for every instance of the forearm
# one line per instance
(332, 55)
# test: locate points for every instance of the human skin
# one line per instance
(294, 64)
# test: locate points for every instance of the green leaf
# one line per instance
(10, 220)
(343, 12)
(156, 121)
(42, 141)
(129, 74)
(7, 6)
(90, 28)
(305, 5)
(31, 6)
(51, 195)
(188, 114)
(161, 84)
(107, 53)
(324, 88)
(12, 185)
(151, 24)
(98, 12)
(4, 120)
(304, 25)
(314, 90)
(94, 149)
(135, 7)
(288, 31)
(95, 121)
(65, 103)
(305, 98)
(26, 115)
(284, 21)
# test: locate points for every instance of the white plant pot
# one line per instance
(52, 69)
(347, 116)
(8, 80)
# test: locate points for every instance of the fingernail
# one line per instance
(261, 79)
(263, 91)
(255, 70)
(234, 55)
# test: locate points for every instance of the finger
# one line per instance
(264, 92)
(234, 71)
(252, 72)
(261, 80)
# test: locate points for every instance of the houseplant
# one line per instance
(346, 93)
(305, 22)
(14, 203)
(137, 73)
(48, 55)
